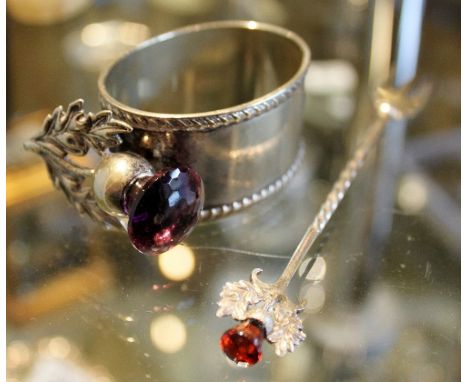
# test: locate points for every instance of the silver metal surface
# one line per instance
(113, 175)
(74, 132)
(263, 193)
(223, 97)
(98, 192)
(268, 302)
(265, 302)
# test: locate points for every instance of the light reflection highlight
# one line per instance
(317, 271)
(18, 354)
(157, 287)
(412, 194)
(121, 166)
(97, 44)
(385, 108)
(95, 34)
(59, 347)
(252, 25)
(112, 32)
(313, 297)
(178, 263)
(168, 333)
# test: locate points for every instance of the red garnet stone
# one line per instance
(243, 343)
(162, 209)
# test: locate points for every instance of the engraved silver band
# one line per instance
(265, 192)
(223, 97)
(125, 105)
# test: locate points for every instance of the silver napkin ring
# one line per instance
(173, 147)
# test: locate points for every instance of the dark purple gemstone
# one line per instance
(162, 209)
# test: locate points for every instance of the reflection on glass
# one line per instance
(51, 359)
(178, 263)
(412, 194)
(384, 107)
(45, 12)
(313, 297)
(97, 44)
(168, 333)
(59, 347)
(331, 77)
(381, 41)
(330, 87)
(95, 35)
(184, 7)
(298, 368)
(317, 271)
(18, 354)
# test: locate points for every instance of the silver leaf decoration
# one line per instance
(73, 132)
(265, 302)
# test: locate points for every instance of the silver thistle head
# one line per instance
(265, 302)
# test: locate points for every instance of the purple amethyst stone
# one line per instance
(163, 209)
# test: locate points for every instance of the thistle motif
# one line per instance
(75, 132)
(265, 302)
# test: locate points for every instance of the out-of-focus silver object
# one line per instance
(268, 303)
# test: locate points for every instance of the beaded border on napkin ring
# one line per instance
(162, 172)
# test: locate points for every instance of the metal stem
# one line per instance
(333, 200)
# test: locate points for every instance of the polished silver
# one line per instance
(112, 177)
(268, 302)
(265, 302)
(263, 193)
(224, 98)
(74, 132)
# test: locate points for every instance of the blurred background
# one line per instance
(382, 285)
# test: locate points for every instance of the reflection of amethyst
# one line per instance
(163, 209)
